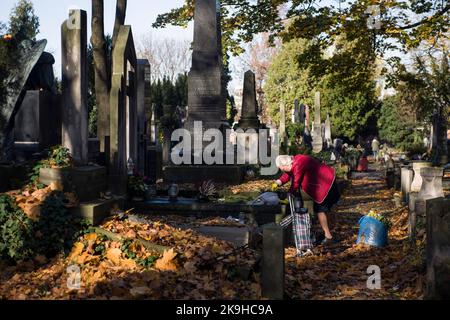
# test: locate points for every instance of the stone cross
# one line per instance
(74, 86)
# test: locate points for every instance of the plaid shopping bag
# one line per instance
(301, 224)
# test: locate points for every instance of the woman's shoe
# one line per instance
(305, 253)
(326, 241)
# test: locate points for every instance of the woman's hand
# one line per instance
(276, 185)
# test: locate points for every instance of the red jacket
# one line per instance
(315, 178)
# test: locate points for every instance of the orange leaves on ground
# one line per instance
(166, 263)
(76, 251)
(114, 255)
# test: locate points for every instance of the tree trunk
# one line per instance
(102, 77)
(121, 9)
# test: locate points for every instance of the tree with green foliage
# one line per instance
(242, 20)
(397, 128)
(23, 22)
(287, 80)
(345, 79)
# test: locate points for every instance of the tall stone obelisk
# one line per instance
(206, 85)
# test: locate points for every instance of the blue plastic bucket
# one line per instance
(372, 232)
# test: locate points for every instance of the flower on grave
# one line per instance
(7, 37)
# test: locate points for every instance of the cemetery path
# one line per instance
(340, 271)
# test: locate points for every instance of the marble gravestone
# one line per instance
(75, 86)
(317, 142)
(123, 128)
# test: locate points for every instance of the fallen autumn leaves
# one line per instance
(190, 268)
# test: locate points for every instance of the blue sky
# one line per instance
(140, 15)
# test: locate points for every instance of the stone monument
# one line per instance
(206, 85)
(206, 103)
(75, 86)
(123, 129)
(249, 116)
(29, 52)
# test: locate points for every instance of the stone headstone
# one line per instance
(123, 128)
(39, 120)
(143, 105)
(432, 183)
(438, 249)
(249, 115)
(282, 129)
(328, 138)
(302, 114)
(317, 127)
(75, 86)
(29, 52)
(307, 118)
(295, 115)
(206, 85)
(272, 275)
(417, 181)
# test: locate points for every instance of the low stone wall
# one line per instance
(87, 182)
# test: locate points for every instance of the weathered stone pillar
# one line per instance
(74, 86)
(438, 248)
(272, 275)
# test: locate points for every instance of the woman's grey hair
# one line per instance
(283, 161)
